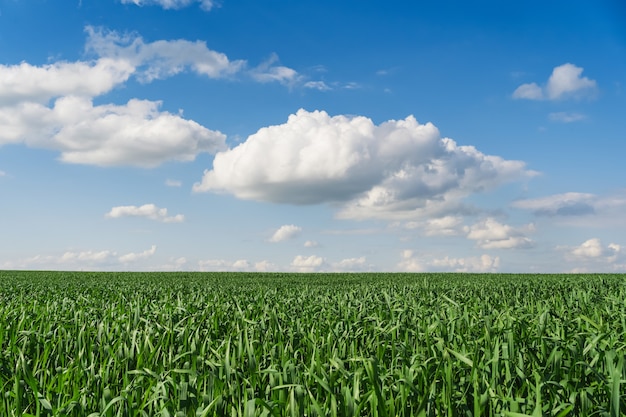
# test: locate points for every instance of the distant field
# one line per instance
(224, 344)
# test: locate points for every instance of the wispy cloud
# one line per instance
(317, 85)
(269, 71)
(173, 183)
(206, 5)
(72, 259)
(566, 117)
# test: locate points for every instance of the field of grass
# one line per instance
(208, 344)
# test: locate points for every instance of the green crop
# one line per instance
(198, 344)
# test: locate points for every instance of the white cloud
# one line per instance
(490, 234)
(86, 256)
(2, 173)
(285, 232)
(215, 265)
(351, 85)
(484, 263)
(117, 58)
(593, 255)
(567, 204)
(175, 264)
(149, 211)
(317, 85)
(441, 226)
(264, 266)
(566, 117)
(26, 82)
(311, 244)
(136, 133)
(239, 265)
(173, 183)
(591, 248)
(411, 262)
(396, 169)
(307, 264)
(580, 209)
(133, 257)
(529, 91)
(351, 264)
(566, 81)
(78, 260)
(172, 4)
(160, 59)
(268, 72)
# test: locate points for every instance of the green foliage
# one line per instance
(201, 344)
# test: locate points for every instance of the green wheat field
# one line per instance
(252, 344)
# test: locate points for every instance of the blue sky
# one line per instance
(313, 136)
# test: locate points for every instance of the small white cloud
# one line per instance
(566, 81)
(173, 183)
(593, 255)
(529, 91)
(591, 248)
(206, 5)
(264, 266)
(86, 256)
(441, 226)
(175, 264)
(268, 72)
(317, 85)
(2, 173)
(78, 260)
(311, 244)
(490, 234)
(149, 211)
(285, 232)
(594, 249)
(351, 264)
(223, 265)
(133, 257)
(484, 263)
(351, 85)
(566, 117)
(241, 264)
(307, 264)
(412, 263)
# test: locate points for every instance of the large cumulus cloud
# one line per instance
(136, 133)
(395, 169)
